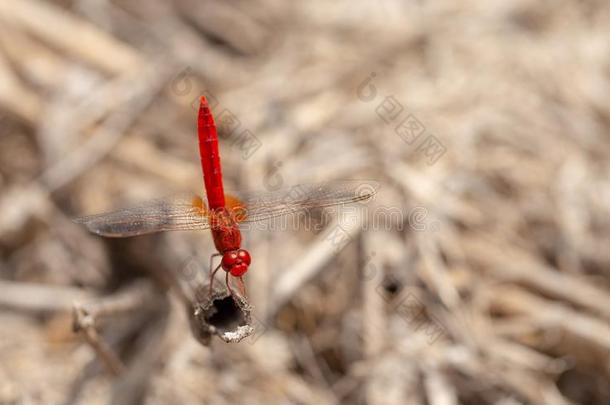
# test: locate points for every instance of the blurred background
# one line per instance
(477, 275)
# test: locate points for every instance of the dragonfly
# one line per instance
(221, 212)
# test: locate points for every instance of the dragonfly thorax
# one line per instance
(225, 231)
(236, 262)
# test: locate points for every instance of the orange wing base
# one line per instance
(234, 206)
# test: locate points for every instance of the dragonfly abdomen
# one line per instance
(210, 157)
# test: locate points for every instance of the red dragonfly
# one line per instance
(223, 212)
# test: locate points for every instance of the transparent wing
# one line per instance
(189, 212)
(259, 206)
(168, 214)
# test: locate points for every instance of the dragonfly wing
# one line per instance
(260, 206)
(169, 214)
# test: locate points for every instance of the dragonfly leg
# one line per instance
(242, 286)
(212, 259)
(229, 285)
(212, 274)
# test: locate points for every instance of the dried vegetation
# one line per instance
(479, 279)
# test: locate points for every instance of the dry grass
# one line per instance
(489, 285)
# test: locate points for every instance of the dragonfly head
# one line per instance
(236, 262)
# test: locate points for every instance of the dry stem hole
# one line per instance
(226, 315)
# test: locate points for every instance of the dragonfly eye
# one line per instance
(239, 270)
(229, 260)
(244, 256)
